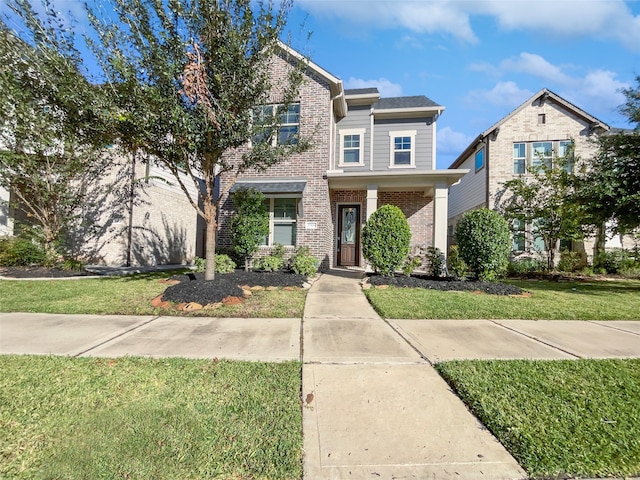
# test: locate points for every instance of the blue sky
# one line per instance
(478, 58)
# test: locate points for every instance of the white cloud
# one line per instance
(537, 66)
(451, 142)
(604, 19)
(503, 94)
(386, 87)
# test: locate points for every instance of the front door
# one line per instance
(348, 235)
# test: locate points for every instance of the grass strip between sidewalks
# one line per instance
(557, 418)
(131, 295)
(69, 418)
(574, 300)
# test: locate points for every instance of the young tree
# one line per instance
(249, 223)
(50, 151)
(544, 200)
(187, 76)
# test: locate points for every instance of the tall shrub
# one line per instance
(249, 224)
(385, 239)
(484, 243)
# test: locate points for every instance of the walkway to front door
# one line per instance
(348, 235)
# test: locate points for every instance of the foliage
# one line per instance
(385, 239)
(185, 79)
(410, 264)
(52, 158)
(435, 262)
(613, 261)
(224, 264)
(72, 264)
(249, 224)
(631, 108)
(561, 418)
(303, 263)
(570, 261)
(272, 262)
(526, 265)
(544, 200)
(20, 251)
(456, 264)
(483, 240)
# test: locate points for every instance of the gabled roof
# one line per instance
(337, 88)
(543, 95)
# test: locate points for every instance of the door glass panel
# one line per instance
(349, 225)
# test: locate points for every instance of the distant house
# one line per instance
(367, 151)
(542, 128)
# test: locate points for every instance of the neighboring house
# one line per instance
(539, 130)
(367, 151)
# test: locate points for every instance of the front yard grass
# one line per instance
(573, 300)
(130, 417)
(557, 418)
(131, 295)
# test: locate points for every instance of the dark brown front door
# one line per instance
(348, 235)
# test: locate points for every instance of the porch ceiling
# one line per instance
(395, 180)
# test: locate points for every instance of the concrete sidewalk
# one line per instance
(373, 405)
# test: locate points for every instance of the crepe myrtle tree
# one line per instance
(186, 77)
(51, 139)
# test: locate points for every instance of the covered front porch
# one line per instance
(422, 197)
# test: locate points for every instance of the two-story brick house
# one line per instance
(367, 151)
(542, 128)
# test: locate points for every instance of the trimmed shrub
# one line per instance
(410, 264)
(484, 243)
(224, 263)
(273, 262)
(613, 261)
(303, 263)
(435, 262)
(385, 239)
(19, 251)
(570, 261)
(249, 224)
(525, 266)
(456, 264)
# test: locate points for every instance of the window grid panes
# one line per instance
(542, 154)
(351, 149)
(402, 151)
(518, 236)
(282, 221)
(565, 151)
(519, 157)
(287, 127)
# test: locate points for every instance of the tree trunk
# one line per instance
(601, 238)
(210, 245)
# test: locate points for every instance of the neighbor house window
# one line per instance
(542, 119)
(351, 147)
(519, 157)
(542, 154)
(480, 159)
(283, 213)
(519, 235)
(276, 124)
(402, 148)
(565, 151)
(538, 241)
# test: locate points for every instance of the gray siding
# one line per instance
(423, 144)
(470, 192)
(357, 117)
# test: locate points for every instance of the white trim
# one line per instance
(412, 152)
(353, 131)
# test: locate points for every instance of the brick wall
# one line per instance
(419, 212)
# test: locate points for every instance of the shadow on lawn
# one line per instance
(580, 286)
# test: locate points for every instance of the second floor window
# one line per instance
(536, 154)
(519, 158)
(542, 154)
(479, 159)
(402, 149)
(277, 124)
(351, 146)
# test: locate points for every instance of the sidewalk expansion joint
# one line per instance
(613, 327)
(408, 342)
(536, 339)
(121, 334)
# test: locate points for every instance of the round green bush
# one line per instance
(18, 251)
(385, 239)
(484, 243)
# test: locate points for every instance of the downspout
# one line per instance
(486, 167)
(371, 126)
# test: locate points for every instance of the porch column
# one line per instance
(372, 199)
(440, 214)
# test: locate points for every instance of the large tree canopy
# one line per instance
(186, 77)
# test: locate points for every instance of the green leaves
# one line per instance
(385, 239)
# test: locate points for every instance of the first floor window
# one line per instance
(519, 236)
(283, 213)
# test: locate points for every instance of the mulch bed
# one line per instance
(40, 272)
(445, 284)
(193, 287)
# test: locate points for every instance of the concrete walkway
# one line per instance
(373, 406)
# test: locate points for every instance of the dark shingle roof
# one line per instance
(418, 101)
(271, 187)
(361, 91)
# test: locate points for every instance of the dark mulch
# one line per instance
(40, 272)
(193, 287)
(445, 284)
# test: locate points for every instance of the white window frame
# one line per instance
(276, 127)
(344, 133)
(537, 161)
(412, 151)
(520, 158)
(273, 221)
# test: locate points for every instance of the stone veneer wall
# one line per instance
(315, 122)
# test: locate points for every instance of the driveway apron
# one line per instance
(374, 407)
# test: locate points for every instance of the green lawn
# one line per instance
(66, 418)
(131, 295)
(558, 418)
(575, 300)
